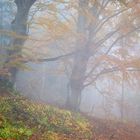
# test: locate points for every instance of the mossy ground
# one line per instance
(23, 119)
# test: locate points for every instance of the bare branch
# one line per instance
(106, 37)
(107, 19)
(26, 60)
(103, 40)
(57, 58)
(110, 70)
(123, 36)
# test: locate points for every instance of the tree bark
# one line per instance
(80, 61)
(19, 26)
(77, 80)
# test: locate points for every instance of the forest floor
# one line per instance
(114, 130)
(23, 119)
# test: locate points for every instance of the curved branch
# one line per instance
(24, 60)
(107, 19)
(57, 57)
(123, 36)
(110, 70)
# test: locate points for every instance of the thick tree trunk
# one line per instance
(77, 79)
(80, 61)
(74, 100)
(19, 26)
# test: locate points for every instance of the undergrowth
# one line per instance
(22, 119)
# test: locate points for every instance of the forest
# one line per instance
(69, 69)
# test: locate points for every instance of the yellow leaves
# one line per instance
(54, 123)
(125, 28)
(52, 7)
(4, 72)
(120, 63)
(132, 4)
(128, 18)
(82, 125)
(13, 34)
(1, 120)
(124, 67)
(18, 36)
(51, 136)
(60, 123)
(112, 60)
(133, 63)
(54, 27)
(126, 23)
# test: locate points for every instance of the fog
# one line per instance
(84, 54)
(43, 84)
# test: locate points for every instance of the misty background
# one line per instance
(48, 82)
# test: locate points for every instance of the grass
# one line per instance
(23, 119)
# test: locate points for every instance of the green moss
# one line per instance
(24, 118)
(18, 132)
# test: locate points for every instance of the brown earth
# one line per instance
(113, 130)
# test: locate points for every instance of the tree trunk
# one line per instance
(80, 61)
(77, 79)
(19, 26)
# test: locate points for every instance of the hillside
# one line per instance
(23, 119)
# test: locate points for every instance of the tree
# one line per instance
(92, 47)
(6, 15)
(19, 33)
(19, 26)
(93, 54)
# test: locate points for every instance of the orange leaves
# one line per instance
(112, 60)
(123, 65)
(133, 3)
(123, 52)
(134, 63)
(54, 27)
(4, 72)
(52, 7)
(115, 61)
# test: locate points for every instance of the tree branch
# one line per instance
(110, 70)
(107, 19)
(106, 37)
(103, 40)
(50, 59)
(57, 57)
(123, 36)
